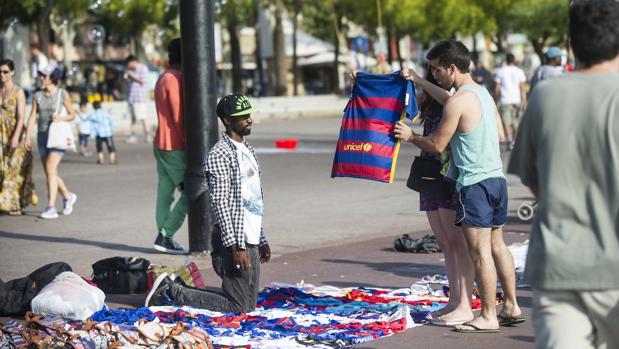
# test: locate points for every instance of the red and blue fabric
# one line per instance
(367, 147)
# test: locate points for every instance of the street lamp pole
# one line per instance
(199, 102)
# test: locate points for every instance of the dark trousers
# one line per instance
(109, 143)
(239, 289)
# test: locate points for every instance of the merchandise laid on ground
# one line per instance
(286, 317)
(70, 312)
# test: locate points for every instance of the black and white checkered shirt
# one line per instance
(223, 174)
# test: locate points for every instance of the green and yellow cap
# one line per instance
(234, 105)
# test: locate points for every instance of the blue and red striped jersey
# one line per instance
(367, 147)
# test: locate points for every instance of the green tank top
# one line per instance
(476, 154)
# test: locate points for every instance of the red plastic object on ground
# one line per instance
(287, 143)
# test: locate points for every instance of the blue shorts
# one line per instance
(483, 204)
(43, 149)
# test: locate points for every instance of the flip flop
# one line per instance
(470, 328)
(440, 323)
(510, 321)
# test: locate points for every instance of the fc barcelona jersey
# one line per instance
(367, 147)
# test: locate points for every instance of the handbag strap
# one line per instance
(58, 100)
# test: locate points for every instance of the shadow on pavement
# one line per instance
(70, 240)
(528, 339)
(406, 269)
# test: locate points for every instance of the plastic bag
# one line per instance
(68, 296)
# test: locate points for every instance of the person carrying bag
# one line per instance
(52, 142)
(60, 134)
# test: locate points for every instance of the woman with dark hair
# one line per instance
(442, 213)
(46, 107)
(16, 187)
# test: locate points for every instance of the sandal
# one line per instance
(15, 213)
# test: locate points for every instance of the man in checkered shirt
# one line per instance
(239, 244)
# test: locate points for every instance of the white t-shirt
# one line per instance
(510, 77)
(251, 193)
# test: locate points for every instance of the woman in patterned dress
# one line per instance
(442, 214)
(16, 187)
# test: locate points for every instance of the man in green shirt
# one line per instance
(567, 152)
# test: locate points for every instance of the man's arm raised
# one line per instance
(446, 129)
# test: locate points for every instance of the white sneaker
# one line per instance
(132, 139)
(68, 204)
(49, 213)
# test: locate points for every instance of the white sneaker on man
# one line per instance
(68, 204)
(49, 213)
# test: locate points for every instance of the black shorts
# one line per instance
(109, 142)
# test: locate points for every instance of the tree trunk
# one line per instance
(43, 26)
(235, 53)
(295, 68)
(498, 41)
(336, 71)
(538, 47)
(280, 51)
(260, 85)
(390, 52)
(397, 47)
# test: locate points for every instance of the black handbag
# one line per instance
(121, 275)
(426, 178)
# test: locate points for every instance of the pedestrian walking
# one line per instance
(382, 66)
(239, 243)
(567, 154)
(442, 213)
(471, 127)
(16, 186)
(84, 127)
(550, 69)
(46, 107)
(480, 74)
(510, 92)
(103, 129)
(38, 61)
(169, 152)
(136, 76)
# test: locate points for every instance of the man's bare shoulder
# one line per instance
(460, 100)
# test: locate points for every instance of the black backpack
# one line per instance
(121, 275)
(15, 295)
(426, 244)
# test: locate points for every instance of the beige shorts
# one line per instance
(138, 111)
(510, 114)
(576, 319)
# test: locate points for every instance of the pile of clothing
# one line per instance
(286, 317)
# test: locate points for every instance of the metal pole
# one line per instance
(201, 128)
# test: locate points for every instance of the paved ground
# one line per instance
(321, 230)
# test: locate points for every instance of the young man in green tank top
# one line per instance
(471, 126)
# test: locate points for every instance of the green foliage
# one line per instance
(131, 17)
(25, 11)
(239, 11)
(542, 20)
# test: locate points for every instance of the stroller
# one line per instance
(526, 210)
